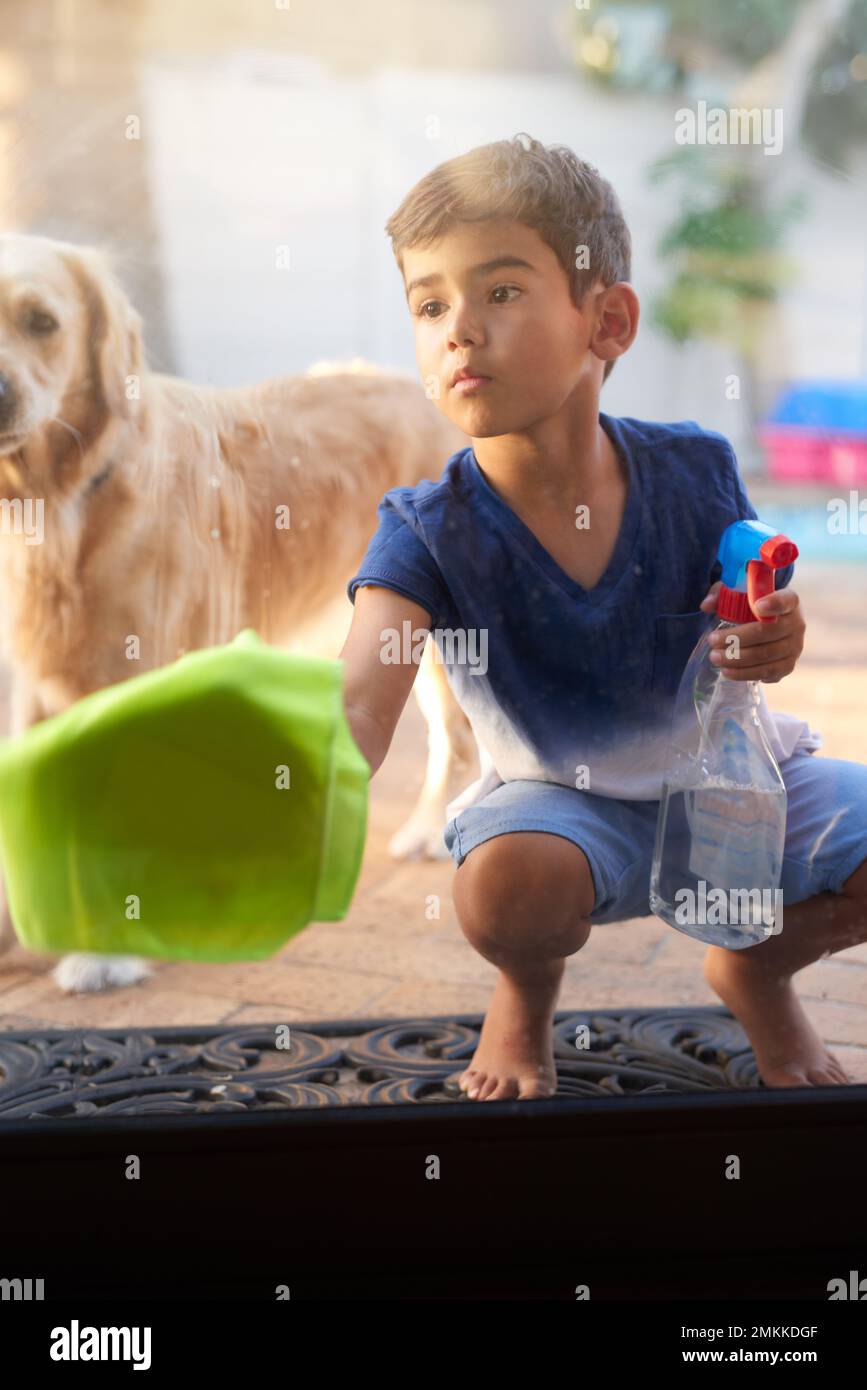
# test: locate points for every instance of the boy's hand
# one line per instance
(768, 651)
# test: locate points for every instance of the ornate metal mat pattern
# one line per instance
(139, 1071)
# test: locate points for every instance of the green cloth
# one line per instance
(161, 796)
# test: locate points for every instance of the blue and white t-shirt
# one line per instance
(554, 677)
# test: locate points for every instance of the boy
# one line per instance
(516, 261)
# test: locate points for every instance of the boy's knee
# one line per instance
(525, 889)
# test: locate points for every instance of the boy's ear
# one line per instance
(617, 313)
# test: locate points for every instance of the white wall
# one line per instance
(259, 151)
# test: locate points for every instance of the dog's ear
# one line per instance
(116, 343)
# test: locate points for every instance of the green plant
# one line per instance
(724, 245)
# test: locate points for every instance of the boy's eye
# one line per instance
(420, 311)
(497, 288)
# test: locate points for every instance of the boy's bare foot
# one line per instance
(515, 1055)
(788, 1050)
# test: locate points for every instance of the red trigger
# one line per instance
(760, 581)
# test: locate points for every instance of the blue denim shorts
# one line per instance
(826, 831)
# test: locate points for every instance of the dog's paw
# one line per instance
(84, 973)
(419, 838)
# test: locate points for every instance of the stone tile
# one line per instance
(612, 987)
(369, 951)
(28, 995)
(304, 991)
(12, 1023)
(134, 1007)
(234, 980)
(826, 979)
(435, 958)
(381, 873)
(453, 960)
(404, 903)
(317, 991)
(257, 1013)
(838, 1023)
(17, 979)
(856, 954)
(635, 942)
(416, 999)
(17, 962)
(854, 1062)
(676, 948)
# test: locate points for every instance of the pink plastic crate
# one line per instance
(794, 455)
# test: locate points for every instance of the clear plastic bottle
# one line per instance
(722, 815)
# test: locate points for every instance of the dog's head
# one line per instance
(71, 355)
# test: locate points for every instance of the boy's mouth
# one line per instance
(469, 369)
(465, 384)
(468, 379)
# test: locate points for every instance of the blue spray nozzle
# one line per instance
(752, 540)
(749, 553)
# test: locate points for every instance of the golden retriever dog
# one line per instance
(136, 505)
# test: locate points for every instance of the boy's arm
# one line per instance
(374, 691)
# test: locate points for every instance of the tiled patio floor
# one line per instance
(388, 959)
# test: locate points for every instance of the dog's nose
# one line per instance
(8, 402)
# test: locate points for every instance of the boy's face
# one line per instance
(515, 324)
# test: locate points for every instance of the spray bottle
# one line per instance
(722, 814)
